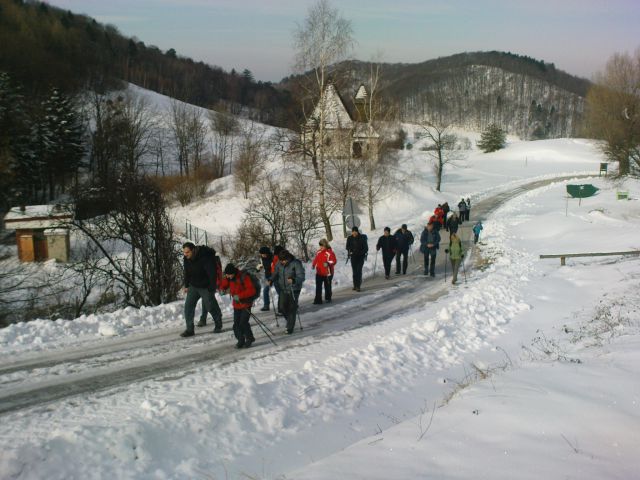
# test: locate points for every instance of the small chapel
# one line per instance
(347, 131)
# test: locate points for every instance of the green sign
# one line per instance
(581, 191)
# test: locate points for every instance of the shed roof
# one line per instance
(38, 216)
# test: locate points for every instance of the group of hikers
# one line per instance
(203, 273)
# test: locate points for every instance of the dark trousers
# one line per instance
(405, 261)
(265, 296)
(320, 282)
(430, 262)
(476, 236)
(357, 262)
(288, 305)
(241, 326)
(209, 304)
(387, 258)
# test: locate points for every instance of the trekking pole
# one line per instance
(464, 270)
(375, 263)
(262, 325)
(273, 302)
(295, 302)
(446, 253)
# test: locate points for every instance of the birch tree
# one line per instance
(324, 39)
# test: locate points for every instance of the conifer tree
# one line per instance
(492, 139)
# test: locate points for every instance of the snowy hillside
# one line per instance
(524, 370)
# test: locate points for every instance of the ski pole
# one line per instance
(262, 325)
(295, 303)
(375, 263)
(464, 270)
(273, 302)
(446, 252)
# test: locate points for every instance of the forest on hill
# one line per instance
(75, 52)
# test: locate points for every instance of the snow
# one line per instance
(524, 370)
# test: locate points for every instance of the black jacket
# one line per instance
(200, 271)
(387, 245)
(403, 240)
(357, 246)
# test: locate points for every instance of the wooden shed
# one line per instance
(41, 231)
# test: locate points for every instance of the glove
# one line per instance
(236, 298)
(446, 250)
(259, 267)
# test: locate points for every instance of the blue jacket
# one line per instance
(429, 237)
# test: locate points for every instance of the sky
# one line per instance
(578, 36)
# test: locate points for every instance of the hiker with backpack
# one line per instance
(456, 254)
(429, 245)
(266, 259)
(404, 240)
(462, 210)
(387, 243)
(477, 228)
(200, 282)
(241, 286)
(324, 264)
(289, 276)
(357, 249)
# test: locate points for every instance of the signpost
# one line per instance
(580, 191)
(349, 217)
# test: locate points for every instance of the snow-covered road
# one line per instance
(115, 362)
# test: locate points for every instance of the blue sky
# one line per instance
(577, 35)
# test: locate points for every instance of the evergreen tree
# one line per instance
(16, 149)
(65, 130)
(492, 139)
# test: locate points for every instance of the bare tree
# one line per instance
(324, 39)
(248, 166)
(613, 112)
(179, 122)
(302, 213)
(380, 175)
(124, 128)
(443, 150)
(148, 272)
(268, 208)
(224, 127)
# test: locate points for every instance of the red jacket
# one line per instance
(241, 286)
(274, 263)
(439, 213)
(325, 262)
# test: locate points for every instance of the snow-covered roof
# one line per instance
(336, 115)
(37, 216)
(362, 93)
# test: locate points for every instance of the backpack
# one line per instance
(217, 263)
(256, 285)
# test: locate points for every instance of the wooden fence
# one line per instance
(563, 256)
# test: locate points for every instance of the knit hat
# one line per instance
(387, 229)
(285, 255)
(404, 225)
(264, 250)
(230, 269)
(354, 229)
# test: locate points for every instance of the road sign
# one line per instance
(350, 208)
(352, 221)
